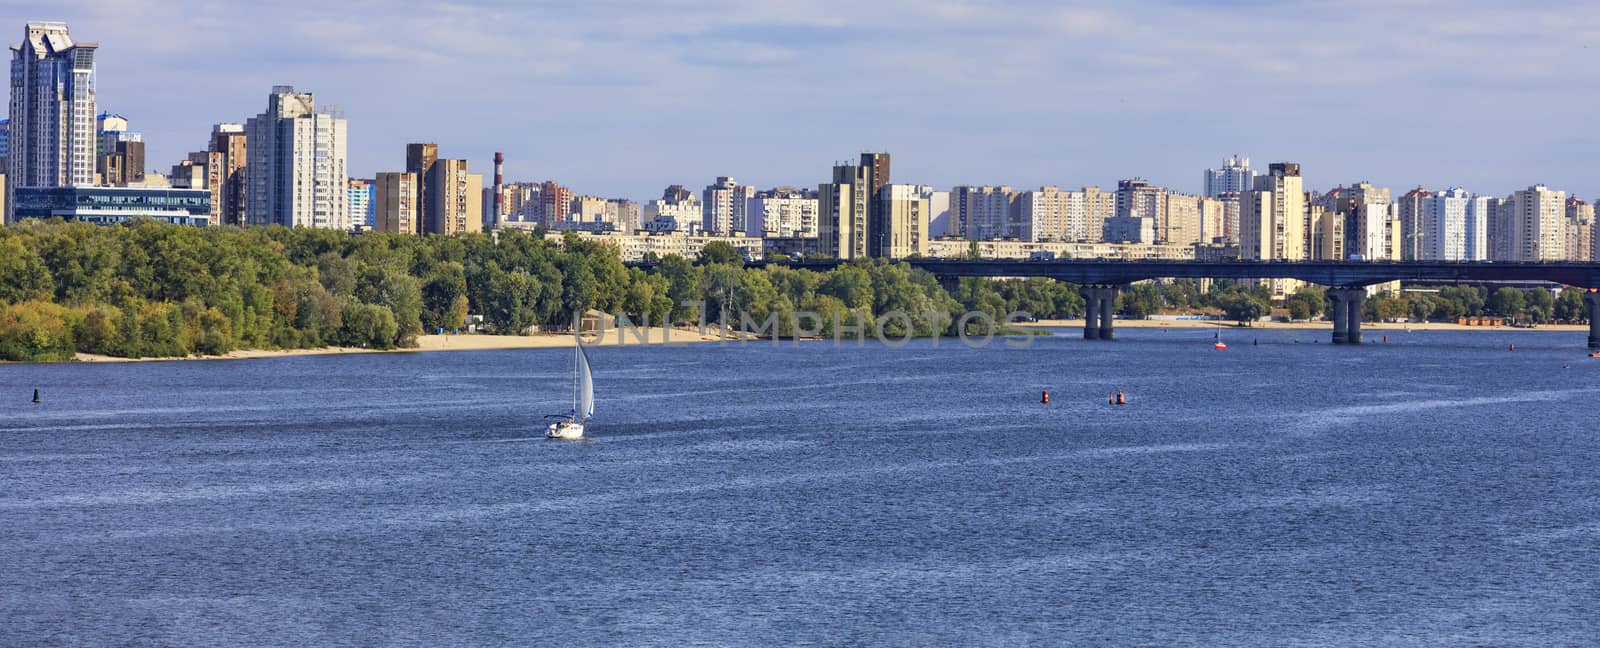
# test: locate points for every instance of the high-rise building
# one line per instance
(1098, 206)
(362, 205)
(1233, 177)
(723, 207)
(1190, 220)
(455, 198)
(555, 203)
(986, 212)
(1137, 198)
(296, 168)
(394, 199)
(1367, 226)
(1230, 216)
(842, 212)
(1580, 230)
(905, 222)
(781, 213)
(52, 120)
(1538, 218)
(677, 210)
(230, 141)
(202, 170)
(876, 168)
(1049, 214)
(1272, 216)
(1442, 224)
(939, 213)
(1412, 214)
(121, 162)
(1327, 232)
(1475, 242)
(420, 157)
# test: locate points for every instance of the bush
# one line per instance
(36, 331)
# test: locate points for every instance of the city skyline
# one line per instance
(599, 112)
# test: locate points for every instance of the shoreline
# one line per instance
(1313, 325)
(447, 342)
(657, 336)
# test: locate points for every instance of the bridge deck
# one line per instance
(1326, 273)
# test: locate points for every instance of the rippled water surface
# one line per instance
(1435, 490)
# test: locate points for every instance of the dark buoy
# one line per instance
(1385, 339)
(35, 394)
(1121, 399)
(1255, 343)
(1111, 399)
(1512, 348)
(1045, 398)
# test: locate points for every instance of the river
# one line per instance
(1437, 489)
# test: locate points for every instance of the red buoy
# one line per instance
(1121, 399)
(1045, 398)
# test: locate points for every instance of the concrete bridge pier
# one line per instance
(1346, 312)
(1108, 306)
(1337, 313)
(1091, 312)
(1592, 300)
(1099, 303)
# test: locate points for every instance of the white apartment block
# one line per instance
(296, 168)
(1233, 177)
(781, 217)
(1443, 225)
(634, 247)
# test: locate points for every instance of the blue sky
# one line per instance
(621, 98)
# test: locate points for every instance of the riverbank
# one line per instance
(466, 342)
(1319, 325)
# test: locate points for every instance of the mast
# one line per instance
(575, 351)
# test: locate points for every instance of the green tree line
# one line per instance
(153, 290)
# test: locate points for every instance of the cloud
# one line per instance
(622, 97)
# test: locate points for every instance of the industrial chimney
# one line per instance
(499, 179)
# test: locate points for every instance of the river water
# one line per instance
(1435, 490)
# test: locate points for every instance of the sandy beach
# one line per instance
(1259, 326)
(466, 342)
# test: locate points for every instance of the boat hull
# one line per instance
(565, 430)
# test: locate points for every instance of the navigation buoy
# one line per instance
(1121, 399)
(1255, 343)
(35, 394)
(1512, 348)
(1111, 399)
(1385, 339)
(1045, 398)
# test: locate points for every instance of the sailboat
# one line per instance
(582, 398)
(1220, 345)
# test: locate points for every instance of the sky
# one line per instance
(621, 98)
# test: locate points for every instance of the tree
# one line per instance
(1139, 302)
(1306, 303)
(1244, 308)
(35, 331)
(1506, 302)
(1569, 307)
(720, 252)
(1540, 306)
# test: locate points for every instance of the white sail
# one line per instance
(585, 386)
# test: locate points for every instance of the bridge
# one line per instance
(1100, 280)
